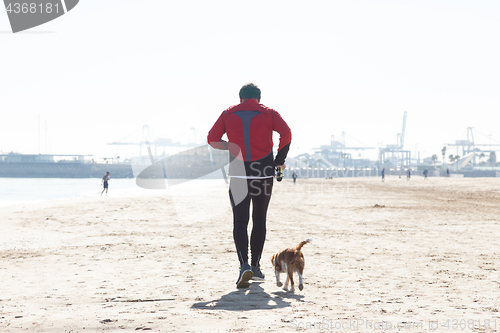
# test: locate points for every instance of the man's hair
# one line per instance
(250, 90)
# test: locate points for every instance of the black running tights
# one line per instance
(259, 194)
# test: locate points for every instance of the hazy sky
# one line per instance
(105, 69)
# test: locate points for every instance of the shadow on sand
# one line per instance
(253, 298)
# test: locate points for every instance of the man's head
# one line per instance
(250, 90)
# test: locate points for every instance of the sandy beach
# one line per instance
(417, 256)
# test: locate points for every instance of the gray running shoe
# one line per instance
(257, 274)
(245, 275)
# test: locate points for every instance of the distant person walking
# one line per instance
(426, 171)
(408, 174)
(383, 175)
(294, 176)
(104, 182)
(447, 173)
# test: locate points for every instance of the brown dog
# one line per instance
(288, 261)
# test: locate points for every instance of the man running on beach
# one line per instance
(383, 175)
(249, 126)
(104, 182)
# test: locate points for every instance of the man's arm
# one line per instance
(280, 126)
(214, 137)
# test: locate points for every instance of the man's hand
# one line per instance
(283, 167)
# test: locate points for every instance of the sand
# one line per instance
(418, 256)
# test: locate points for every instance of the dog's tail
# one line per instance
(298, 247)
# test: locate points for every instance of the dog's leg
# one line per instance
(285, 287)
(285, 269)
(274, 261)
(278, 282)
(292, 288)
(301, 281)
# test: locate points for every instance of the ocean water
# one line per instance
(32, 190)
(15, 191)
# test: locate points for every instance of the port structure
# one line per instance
(151, 142)
(468, 146)
(394, 153)
(336, 154)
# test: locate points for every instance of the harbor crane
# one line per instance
(395, 152)
(336, 153)
(469, 146)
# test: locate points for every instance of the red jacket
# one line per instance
(250, 126)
